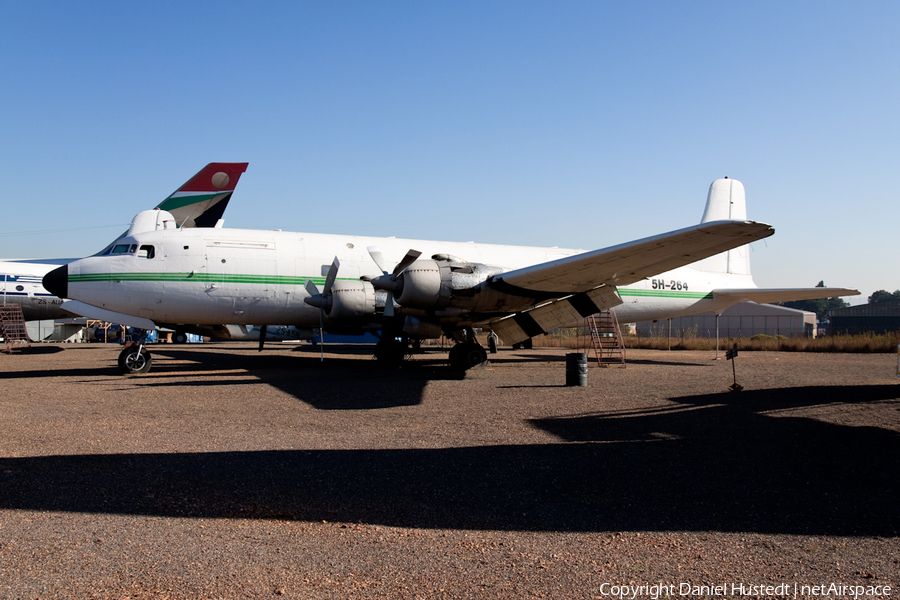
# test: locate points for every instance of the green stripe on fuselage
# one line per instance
(642, 293)
(199, 277)
(289, 280)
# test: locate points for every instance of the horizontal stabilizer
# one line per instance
(101, 314)
(630, 262)
(770, 295)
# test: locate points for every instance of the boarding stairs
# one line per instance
(12, 327)
(607, 339)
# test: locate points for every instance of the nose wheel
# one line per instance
(134, 360)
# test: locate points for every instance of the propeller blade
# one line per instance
(388, 282)
(332, 275)
(377, 257)
(409, 259)
(315, 297)
(321, 336)
(262, 337)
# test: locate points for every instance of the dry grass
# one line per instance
(868, 343)
(575, 339)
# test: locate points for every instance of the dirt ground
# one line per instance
(229, 473)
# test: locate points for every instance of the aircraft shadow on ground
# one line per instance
(525, 357)
(38, 348)
(670, 363)
(716, 465)
(79, 372)
(346, 384)
(725, 462)
(537, 357)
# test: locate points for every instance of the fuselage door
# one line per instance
(242, 275)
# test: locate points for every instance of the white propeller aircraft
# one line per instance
(199, 202)
(167, 276)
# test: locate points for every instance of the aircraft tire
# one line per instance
(391, 352)
(179, 337)
(466, 355)
(132, 362)
(492, 343)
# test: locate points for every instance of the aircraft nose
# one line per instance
(57, 281)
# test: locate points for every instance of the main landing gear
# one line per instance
(391, 351)
(467, 354)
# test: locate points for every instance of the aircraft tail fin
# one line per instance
(202, 200)
(726, 201)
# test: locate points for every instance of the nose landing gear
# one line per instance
(134, 359)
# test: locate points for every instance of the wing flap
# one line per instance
(566, 312)
(633, 261)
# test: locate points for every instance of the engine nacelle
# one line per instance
(436, 284)
(425, 284)
(351, 301)
(421, 328)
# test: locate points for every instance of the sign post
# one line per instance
(730, 355)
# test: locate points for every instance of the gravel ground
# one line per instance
(226, 473)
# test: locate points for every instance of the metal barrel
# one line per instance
(576, 369)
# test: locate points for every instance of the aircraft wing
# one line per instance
(630, 262)
(770, 295)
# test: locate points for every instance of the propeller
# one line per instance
(322, 300)
(262, 337)
(387, 281)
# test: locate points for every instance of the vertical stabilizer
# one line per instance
(201, 201)
(726, 202)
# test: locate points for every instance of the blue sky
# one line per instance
(577, 124)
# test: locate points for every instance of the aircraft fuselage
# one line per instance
(21, 284)
(214, 276)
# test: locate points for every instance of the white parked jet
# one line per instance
(172, 276)
(199, 202)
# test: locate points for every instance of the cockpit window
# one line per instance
(124, 249)
(146, 252)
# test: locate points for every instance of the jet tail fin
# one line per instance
(202, 200)
(726, 201)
